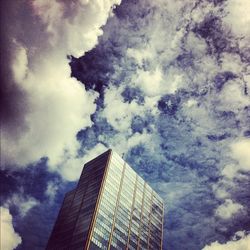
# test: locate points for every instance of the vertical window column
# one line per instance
(131, 216)
(150, 217)
(140, 229)
(116, 207)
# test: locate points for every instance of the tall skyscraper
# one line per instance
(111, 208)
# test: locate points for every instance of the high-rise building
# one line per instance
(111, 208)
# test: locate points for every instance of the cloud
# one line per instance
(235, 169)
(9, 238)
(72, 168)
(175, 102)
(232, 96)
(240, 244)
(240, 152)
(20, 64)
(54, 106)
(77, 23)
(173, 96)
(22, 203)
(237, 17)
(51, 190)
(117, 112)
(228, 209)
(232, 173)
(150, 81)
(124, 143)
(59, 107)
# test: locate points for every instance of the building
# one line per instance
(111, 208)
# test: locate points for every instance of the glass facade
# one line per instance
(111, 208)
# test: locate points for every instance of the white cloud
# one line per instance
(240, 152)
(58, 106)
(79, 29)
(242, 244)
(199, 50)
(141, 55)
(118, 112)
(202, 10)
(229, 171)
(223, 188)
(238, 17)
(23, 204)
(149, 81)
(51, 190)
(190, 103)
(240, 149)
(200, 115)
(154, 83)
(121, 143)
(228, 209)
(137, 138)
(239, 234)
(20, 64)
(9, 238)
(231, 62)
(72, 168)
(176, 191)
(232, 96)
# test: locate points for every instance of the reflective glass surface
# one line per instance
(132, 212)
(111, 208)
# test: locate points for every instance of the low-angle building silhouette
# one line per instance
(112, 207)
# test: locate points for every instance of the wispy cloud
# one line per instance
(21, 202)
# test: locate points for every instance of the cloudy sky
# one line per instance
(166, 83)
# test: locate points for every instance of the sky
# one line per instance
(165, 83)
